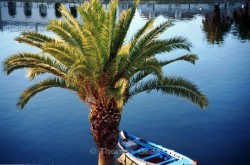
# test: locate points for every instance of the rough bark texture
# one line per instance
(104, 158)
(105, 122)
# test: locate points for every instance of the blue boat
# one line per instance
(137, 151)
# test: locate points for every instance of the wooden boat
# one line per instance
(137, 151)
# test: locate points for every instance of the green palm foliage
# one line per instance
(92, 58)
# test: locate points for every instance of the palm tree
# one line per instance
(93, 59)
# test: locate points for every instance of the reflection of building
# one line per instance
(57, 13)
(12, 8)
(27, 8)
(43, 10)
(1, 22)
(15, 14)
(178, 11)
(73, 11)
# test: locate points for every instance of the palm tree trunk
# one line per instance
(105, 157)
(105, 122)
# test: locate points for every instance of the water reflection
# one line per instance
(27, 8)
(216, 26)
(12, 8)
(242, 22)
(219, 20)
(57, 12)
(43, 10)
(73, 11)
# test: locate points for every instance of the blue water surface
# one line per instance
(54, 129)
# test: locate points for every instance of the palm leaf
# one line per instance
(151, 64)
(141, 32)
(192, 58)
(173, 86)
(69, 19)
(67, 33)
(32, 60)
(33, 72)
(93, 58)
(147, 39)
(80, 69)
(34, 39)
(164, 46)
(106, 31)
(41, 86)
(140, 75)
(121, 29)
(62, 52)
(92, 14)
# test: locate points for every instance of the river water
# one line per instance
(54, 129)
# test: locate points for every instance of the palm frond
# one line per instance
(173, 86)
(67, 33)
(142, 44)
(118, 37)
(106, 31)
(95, 22)
(119, 92)
(141, 32)
(178, 43)
(152, 65)
(164, 46)
(69, 19)
(41, 86)
(92, 14)
(80, 69)
(139, 76)
(192, 58)
(124, 50)
(147, 53)
(112, 71)
(92, 52)
(92, 57)
(62, 52)
(32, 60)
(121, 30)
(34, 38)
(33, 72)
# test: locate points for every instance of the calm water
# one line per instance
(54, 127)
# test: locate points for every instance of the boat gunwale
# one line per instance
(159, 149)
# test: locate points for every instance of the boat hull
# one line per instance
(138, 151)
